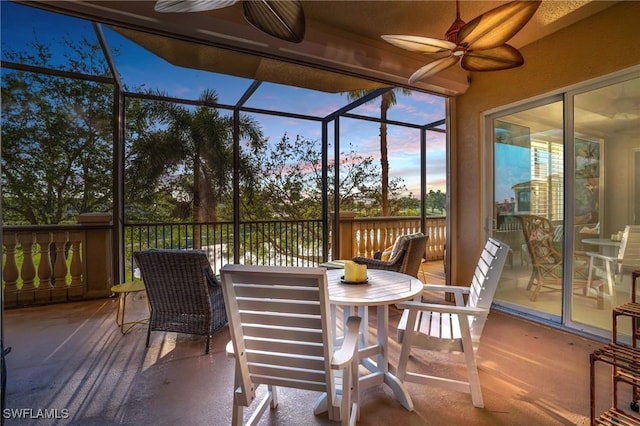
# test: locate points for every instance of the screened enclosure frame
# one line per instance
(120, 95)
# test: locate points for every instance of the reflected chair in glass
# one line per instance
(281, 336)
(453, 328)
(184, 296)
(544, 244)
(627, 260)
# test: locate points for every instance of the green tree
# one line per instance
(291, 182)
(436, 200)
(387, 100)
(186, 153)
(57, 137)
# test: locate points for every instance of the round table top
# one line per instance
(382, 288)
(601, 242)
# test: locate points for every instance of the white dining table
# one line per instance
(382, 289)
(609, 247)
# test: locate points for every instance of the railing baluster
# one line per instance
(76, 289)
(10, 271)
(43, 294)
(26, 295)
(60, 267)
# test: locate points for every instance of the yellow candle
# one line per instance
(361, 272)
(349, 270)
(354, 272)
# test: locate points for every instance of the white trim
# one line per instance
(635, 185)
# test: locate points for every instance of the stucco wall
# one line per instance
(593, 47)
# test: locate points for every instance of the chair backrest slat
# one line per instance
(485, 281)
(299, 334)
(629, 254)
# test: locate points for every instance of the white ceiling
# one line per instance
(342, 36)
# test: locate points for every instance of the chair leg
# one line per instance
(148, 333)
(532, 279)
(274, 396)
(536, 290)
(355, 390)
(237, 414)
(589, 275)
(474, 377)
(472, 366)
(405, 350)
(612, 291)
(345, 399)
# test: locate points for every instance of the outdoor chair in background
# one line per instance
(405, 256)
(453, 328)
(627, 260)
(544, 244)
(281, 335)
(184, 295)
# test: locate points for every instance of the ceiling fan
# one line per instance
(283, 19)
(479, 45)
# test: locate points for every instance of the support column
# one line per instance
(97, 254)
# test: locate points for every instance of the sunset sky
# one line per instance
(141, 69)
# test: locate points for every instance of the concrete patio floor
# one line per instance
(72, 357)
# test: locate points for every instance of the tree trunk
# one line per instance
(197, 201)
(385, 104)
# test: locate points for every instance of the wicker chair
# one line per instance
(184, 295)
(547, 262)
(406, 256)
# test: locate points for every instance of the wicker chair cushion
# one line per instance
(541, 243)
(399, 244)
(386, 254)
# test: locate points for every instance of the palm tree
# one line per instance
(387, 100)
(193, 149)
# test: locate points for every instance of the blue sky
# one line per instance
(514, 164)
(139, 68)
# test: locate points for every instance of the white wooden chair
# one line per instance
(280, 326)
(449, 328)
(628, 259)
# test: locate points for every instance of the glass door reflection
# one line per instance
(528, 188)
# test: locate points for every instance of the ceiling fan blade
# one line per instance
(497, 26)
(283, 19)
(499, 58)
(433, 68)
(191, 5)
(419, 44)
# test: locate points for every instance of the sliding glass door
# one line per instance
(565, 184)
(528, 178)
(606, 138)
